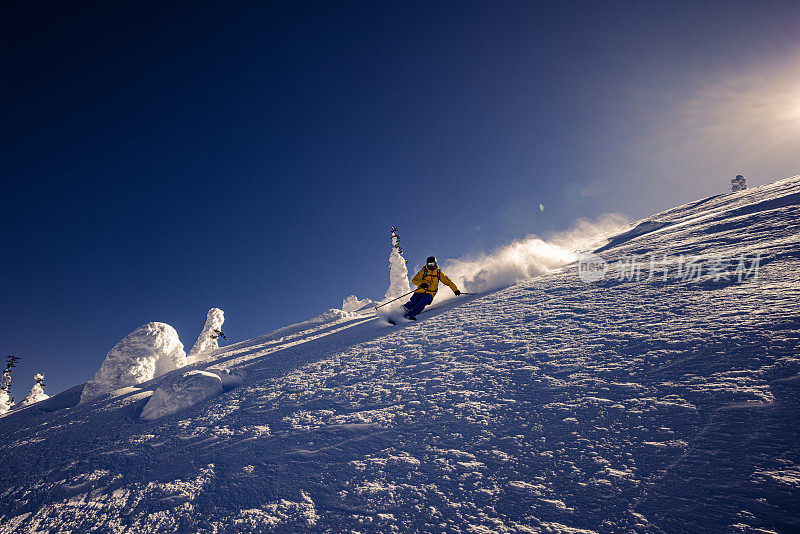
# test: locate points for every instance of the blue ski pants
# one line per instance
(417, 303)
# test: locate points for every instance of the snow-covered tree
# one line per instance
(739, 183)
(149, 351)
(37, 393)
(208, 339)
(398, 271)
(353, 303)
(6, 400)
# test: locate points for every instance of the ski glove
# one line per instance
(457, 292)
(424, 285)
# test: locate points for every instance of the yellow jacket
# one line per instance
(432, 277)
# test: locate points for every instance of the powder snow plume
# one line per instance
(531, 256)
(585, 234)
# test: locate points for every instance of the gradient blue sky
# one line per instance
(160, 159)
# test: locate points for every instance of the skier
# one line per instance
(427, 281)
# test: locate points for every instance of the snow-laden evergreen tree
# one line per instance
(353, 303)
(37, 393)
(398, 271)
(5, 395)
(149, 351)
(739, 183)
(208, 339)
(6, 400)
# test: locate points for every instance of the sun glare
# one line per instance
(738, 119)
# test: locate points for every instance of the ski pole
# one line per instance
(398, 298)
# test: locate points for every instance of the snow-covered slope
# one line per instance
(658, 405)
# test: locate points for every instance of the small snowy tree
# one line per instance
(208, 339)
(6, 400)
(353, 303)
(398, 271)
(739, 183)
(37, 393)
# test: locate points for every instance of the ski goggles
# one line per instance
(432, 265)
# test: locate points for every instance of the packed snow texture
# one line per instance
(37, 393)
(549, 406)
(398, 275)
(149, 351)
(208, 339)
(176, 394)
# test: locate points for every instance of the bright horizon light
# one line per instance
(725, 120)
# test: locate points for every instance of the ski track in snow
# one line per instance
(548, 406)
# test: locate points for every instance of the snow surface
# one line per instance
(208, 339)
(548, 406)
(149, 351)
(186, 390)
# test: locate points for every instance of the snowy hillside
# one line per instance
(663, 397)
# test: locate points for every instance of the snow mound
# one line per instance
(187, 390)
(208, 339)
(149, 351)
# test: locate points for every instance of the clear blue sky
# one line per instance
(161, 159)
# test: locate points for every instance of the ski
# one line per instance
(393, 321)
